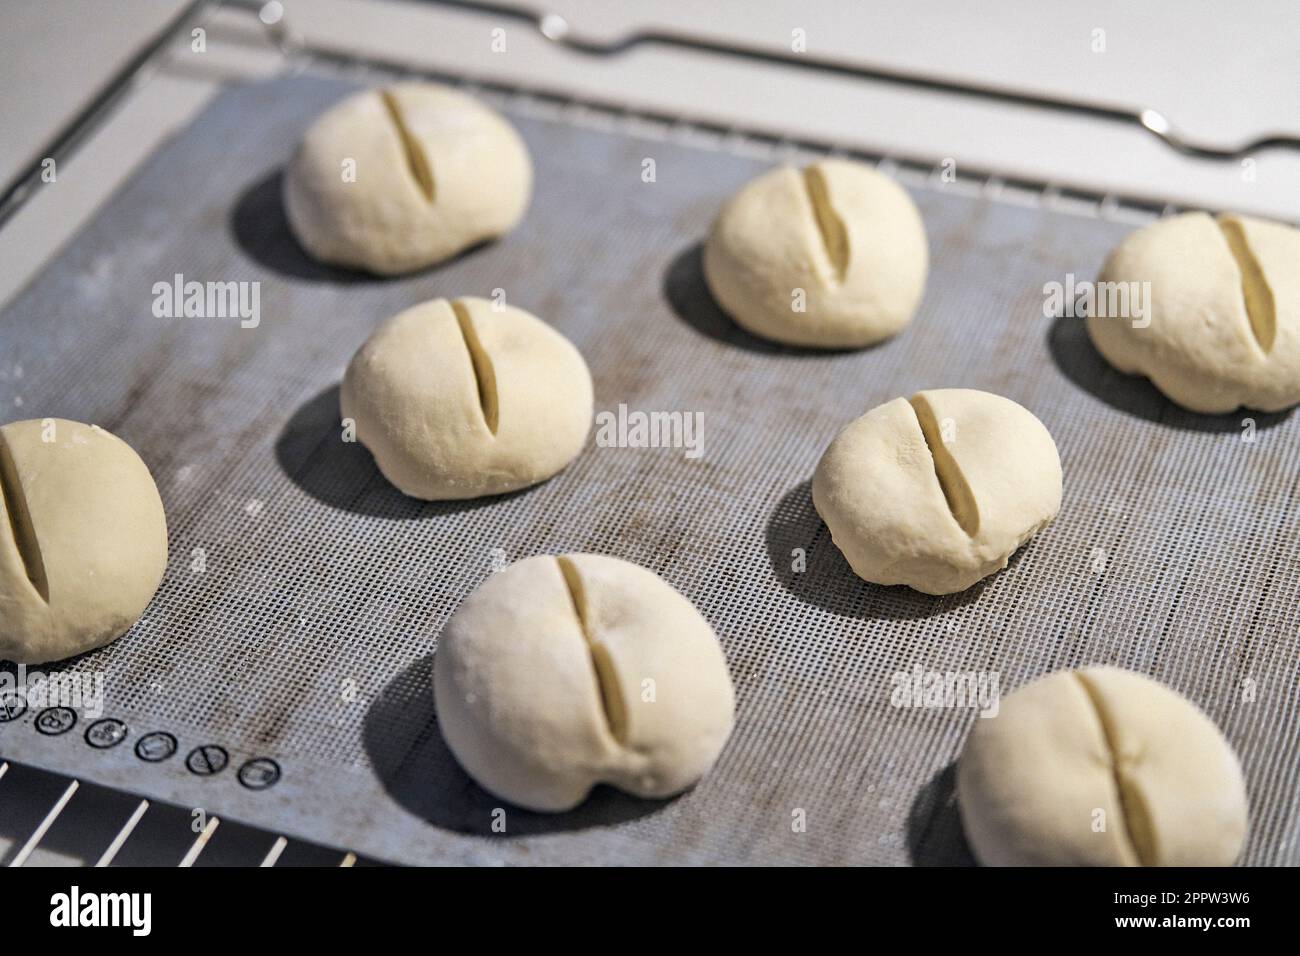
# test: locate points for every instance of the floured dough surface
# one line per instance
(1221, 329)
(395, 179)
(1100, 767)
(938, 491)
(463, 398)
(83, 539)
(830, 256)
(559, 673)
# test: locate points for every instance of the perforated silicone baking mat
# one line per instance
(281, 675)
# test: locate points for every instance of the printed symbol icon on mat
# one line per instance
(53, 721)
(106, 733)
(155, 747)
(12, 706)
(259, 773)
(207, 759)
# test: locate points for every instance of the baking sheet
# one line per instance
(304, 596)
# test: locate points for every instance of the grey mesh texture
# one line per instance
(308, 638)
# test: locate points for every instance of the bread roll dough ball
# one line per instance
(466, 398)
(1224, 312)
(938, 491)
(435, 172)
(1100, 767)
(83, 539)
(557, 674)
(850, 238)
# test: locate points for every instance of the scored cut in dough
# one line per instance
(1221, 329)
(467, 398)
(833, 256)
(559, 673)
(83, 539)
(397, 179)
(938, 491)
(1100, 767)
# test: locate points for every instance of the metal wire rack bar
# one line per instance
(301, 54)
